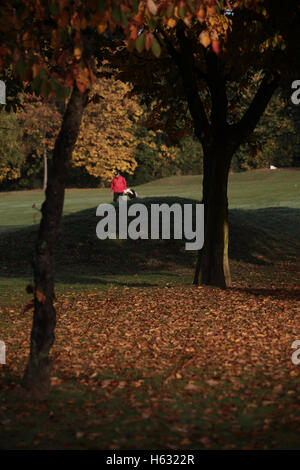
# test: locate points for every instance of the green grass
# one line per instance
(253, 189)
(76, 418)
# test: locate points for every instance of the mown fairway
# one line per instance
(142, 359)
(250, 190)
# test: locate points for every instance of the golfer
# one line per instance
(118, 185)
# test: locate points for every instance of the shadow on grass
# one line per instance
(64, 277)
(259, 237)
(278, 294)
(264, 236)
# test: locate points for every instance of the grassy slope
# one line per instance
(255, 189)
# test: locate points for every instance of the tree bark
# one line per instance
(37, 373)
(45, 168)
(213, 264)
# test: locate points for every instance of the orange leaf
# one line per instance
(69, 79)
(216, 46)
(152, 7)
(36, 70)
(204, 38)
(77, 53)
(82, 86)
(134, 33)
(101, 27)
(201, 15)
(148, 42)
(40, 296)
(171, 23)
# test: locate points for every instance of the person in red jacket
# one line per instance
(118, 185)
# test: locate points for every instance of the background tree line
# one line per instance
(127, 140)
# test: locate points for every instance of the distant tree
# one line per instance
(158, 157)
(40, 121)
(125, 142)
(11, 148)
(273, 140)
(294, 112)
(106, 140)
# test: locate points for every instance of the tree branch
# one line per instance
(249, 121)
(189, 77)
(217, 87)
(170, 47)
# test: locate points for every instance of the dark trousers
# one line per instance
(116, 196)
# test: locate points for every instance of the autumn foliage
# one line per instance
(62, 58)
(40, 121)
(106, 140)
(180, 368)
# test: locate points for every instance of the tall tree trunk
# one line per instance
(45, 168)
(213, 264)
(37, 374)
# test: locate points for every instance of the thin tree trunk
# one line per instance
(213, 264)
(37, 374)
(45, 168)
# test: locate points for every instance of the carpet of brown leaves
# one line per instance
(227, 352)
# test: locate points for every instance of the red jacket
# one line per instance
(118, 185)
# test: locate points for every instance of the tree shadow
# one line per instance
(277, 293)
(257, 236)
(264, 236)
